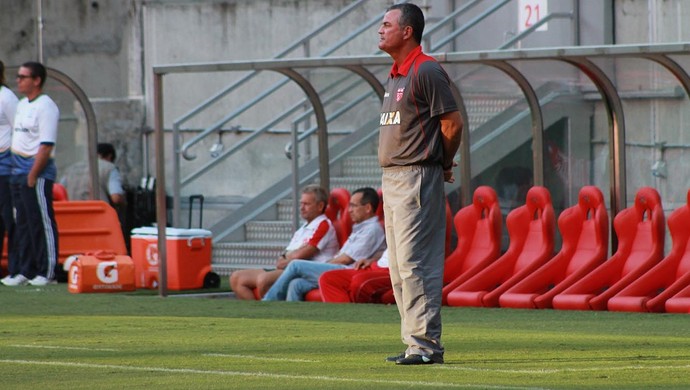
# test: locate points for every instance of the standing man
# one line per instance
(8, 106)
(366, 240)
(419, 136)
(33, 175)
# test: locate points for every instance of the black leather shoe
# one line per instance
(395, 358)
(410, 360)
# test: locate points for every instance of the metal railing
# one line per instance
(184, 149)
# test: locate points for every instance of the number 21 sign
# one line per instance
(530, 12)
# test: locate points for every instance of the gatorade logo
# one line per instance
(74, 275)
(152, 254)
(107, 271)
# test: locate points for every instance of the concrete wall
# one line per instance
(94, 43)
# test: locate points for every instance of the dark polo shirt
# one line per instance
(418, 92)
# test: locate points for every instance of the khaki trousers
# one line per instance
(414, 209)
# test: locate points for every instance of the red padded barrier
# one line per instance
(531, 229)
(87, 226)
(478, 227)
(640, 232)
(666, 279)
(585, 231)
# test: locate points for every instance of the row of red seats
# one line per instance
(579, 277)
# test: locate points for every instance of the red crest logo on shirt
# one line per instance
(399, 94)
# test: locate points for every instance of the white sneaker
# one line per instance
(41, 281)
(16, 280)
(6, 278)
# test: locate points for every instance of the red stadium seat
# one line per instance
(531, 230)
(585, 231)
(337, 212)
(478, 227)
(640, 232)
(379, 210)
(651, 291)
(59, 193)
(679, 303)
(449, 230)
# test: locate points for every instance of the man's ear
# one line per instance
(371, 209)
(407, 32)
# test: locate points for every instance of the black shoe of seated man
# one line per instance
(395, 358)
(411, 360)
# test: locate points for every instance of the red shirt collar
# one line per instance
(407, 64)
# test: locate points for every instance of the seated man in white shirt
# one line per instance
(316, 240)
(367, 239)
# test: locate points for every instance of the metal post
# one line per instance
(161, 216)
(39, 28)
(295, 178)
(176, 176)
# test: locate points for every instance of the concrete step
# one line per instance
(353, 183)
(269, 231)
(231, 256)
(361, 166)
(285, 210)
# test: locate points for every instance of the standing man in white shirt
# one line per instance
(8, 106)
(33, 175)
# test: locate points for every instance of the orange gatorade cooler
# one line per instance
(99, 272)
(188, 258)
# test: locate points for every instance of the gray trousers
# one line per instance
(414, 209)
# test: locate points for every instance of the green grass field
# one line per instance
(53, 339)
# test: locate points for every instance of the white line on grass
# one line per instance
(260, 358)
(257, 374)
(61, 347)
(560, 370)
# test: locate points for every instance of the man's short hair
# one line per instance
(37, 70)
(2, 73)
(410, 15)
(319, 193)
(369, 196)
(105, 149)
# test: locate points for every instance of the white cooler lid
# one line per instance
(171, 232)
